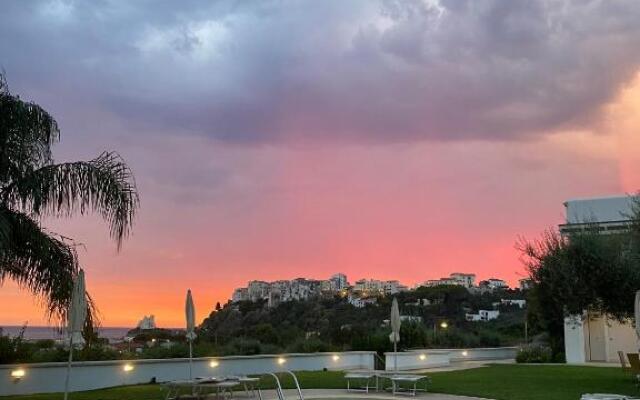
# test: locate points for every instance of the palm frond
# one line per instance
(27, 132)
(39, 261)
(104, 185)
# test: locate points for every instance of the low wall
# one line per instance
(408, 360)
(487, 353)
(50, 377)
(430, 358)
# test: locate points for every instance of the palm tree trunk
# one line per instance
(66, 383)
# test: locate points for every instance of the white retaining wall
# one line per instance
(49, 377)
(416, 359)
(429, 358)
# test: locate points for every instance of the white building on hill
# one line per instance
(483, 315)
(493, 284)
(147, 323)
(456, 278)
(361, 302)
(521, 303)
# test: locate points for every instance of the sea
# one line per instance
(49, 332)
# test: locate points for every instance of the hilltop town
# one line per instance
(363, 291)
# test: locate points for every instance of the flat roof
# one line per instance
(599, 209)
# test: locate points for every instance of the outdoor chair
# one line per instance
(623, 362)
(634, 364)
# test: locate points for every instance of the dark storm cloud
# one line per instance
(336, 70)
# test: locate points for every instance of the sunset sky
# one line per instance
(279, 139)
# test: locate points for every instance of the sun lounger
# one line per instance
(217, 389)
(251, 385)
(364, 378)
(408, 383)
(201, 388)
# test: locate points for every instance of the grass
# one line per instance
(533, 382)
(500, 381)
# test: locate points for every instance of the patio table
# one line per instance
(412, 380)
(359, 376)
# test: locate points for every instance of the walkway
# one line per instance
(317, 394)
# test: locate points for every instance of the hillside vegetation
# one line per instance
(331, 323)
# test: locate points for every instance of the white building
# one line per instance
(284, 290)
(456, 278)
(463, 279)
(147, 323)
(411, 318)
(361, 302)
(610, 214)
(240, 294)
(393, 287)
(340, 281)
(521, 303)
(593, 337)
(493, 284)
(258, 290)
(368, 285)
(483, 315)
(525, 283)
(373, 287)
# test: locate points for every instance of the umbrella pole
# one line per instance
(190, 358)
(395, 358)
(66, 382)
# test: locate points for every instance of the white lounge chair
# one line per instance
(363, 377)
(408, 383)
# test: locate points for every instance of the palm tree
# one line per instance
(33, 186)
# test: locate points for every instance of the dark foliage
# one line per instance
(586, 271)
(32, 186)
(331, 323)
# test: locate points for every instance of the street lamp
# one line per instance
(443, 325)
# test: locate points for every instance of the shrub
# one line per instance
(534, 354)
(311, 345)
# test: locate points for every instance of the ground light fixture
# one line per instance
(127, 367)
(18, 374)
(281, 360)
(465, 353)
(444, 325)
(335, 357)
(422, 357)
(214, 364)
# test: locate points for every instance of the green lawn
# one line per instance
(500, 381)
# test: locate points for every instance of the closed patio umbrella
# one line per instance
(190, 312)
(395, 330)
(77, 314)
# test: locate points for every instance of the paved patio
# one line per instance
(315, 394)
(458, 365)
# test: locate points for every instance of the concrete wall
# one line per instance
(429, 358)
(621, 337)
(597, 339)
(49, 377)
(408, 360)
(485, 353)
(574, 340)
